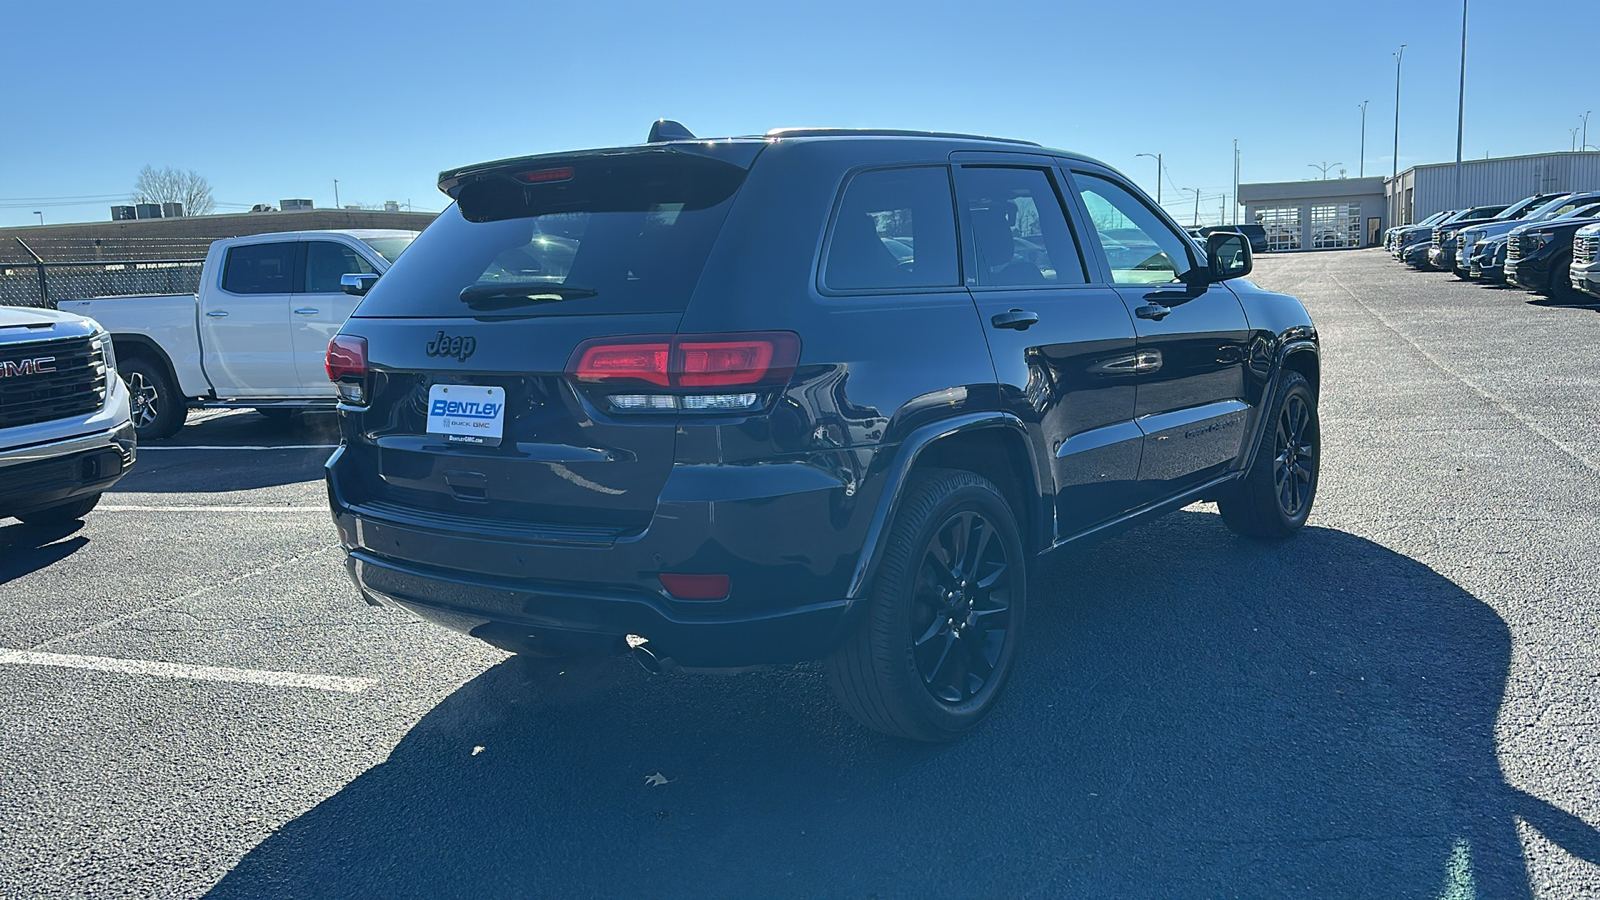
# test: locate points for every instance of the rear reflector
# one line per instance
(347, 357)
(696, 587)
(689, 360)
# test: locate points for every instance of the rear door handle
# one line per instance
(305, 311)
(1153, 311)
(216, 313)
(1018, 319)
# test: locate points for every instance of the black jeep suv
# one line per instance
(816, 394)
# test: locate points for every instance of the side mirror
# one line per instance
(1228, 255)
(357, 283)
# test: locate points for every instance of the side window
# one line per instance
(327, 263)
(1017, 228)
(260, 268)
(896, 228)
(1139, 247)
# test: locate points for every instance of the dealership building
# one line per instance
(1352, 212)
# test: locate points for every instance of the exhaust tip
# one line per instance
(655, 665)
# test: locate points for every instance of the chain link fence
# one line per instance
(45, 284)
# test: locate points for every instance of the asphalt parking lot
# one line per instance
(1400, 702)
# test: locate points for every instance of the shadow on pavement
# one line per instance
(1197, 715)
(29, 548)
(241, 451)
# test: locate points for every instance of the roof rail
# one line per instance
(889, 132)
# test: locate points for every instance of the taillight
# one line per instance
(685, 365)
(346, 364)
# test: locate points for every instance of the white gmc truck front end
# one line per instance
(65, 436)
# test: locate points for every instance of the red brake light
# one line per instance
(542, 176)
(606, 362)
(689, 360)
(347, 357)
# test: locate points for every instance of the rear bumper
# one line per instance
(788, 536)
(44, 475)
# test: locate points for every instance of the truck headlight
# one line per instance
(108, 352)
(1536, 240)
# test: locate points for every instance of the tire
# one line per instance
(158, 411)
(1560, 286)
(913, 667)
(1274, 499)
(70, 511)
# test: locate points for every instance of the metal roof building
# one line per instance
(1421, 191)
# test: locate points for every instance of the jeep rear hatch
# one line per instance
(537, 257)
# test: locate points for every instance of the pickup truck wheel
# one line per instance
(1274, 499)
(157, 410)
(933, 649)
(60, 515)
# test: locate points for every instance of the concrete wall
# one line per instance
(182, 238)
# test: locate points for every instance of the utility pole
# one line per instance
(1364, 138)
(1235, 181)
(1222, 211)
(336, 193)
(1159, 170)
(1461, 100)
(1196, 206)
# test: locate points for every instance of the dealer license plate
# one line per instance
(467, 414)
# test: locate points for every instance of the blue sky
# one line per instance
(277, 99)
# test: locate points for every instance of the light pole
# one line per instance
(1157, 158)
(1585, 145)
(40, 215)
(1324, 167)
(1574, 132)
(1364, 138)
(1461, 100)
(336, 193)
(1397, 59)
(1196, 205)
(1235, 181)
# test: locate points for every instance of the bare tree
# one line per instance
(172, 186)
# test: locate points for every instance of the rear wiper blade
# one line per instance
(500, 296)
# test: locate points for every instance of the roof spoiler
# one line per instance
(668, 130)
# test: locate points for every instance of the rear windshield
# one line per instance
(389, 248)
(618, 234)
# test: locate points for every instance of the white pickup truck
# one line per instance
(256, 333)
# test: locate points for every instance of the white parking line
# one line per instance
(254, 509)
(146, 448)
(192, 673)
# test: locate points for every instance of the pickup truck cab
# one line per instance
(255, 334)
(65, 437)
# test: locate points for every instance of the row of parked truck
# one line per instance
(1547, 243)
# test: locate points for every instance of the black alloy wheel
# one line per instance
(940, 633)
(1294, 464)
(1273, 499)
(962, 608)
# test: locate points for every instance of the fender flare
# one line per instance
(898, 476)
(1273, 393)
